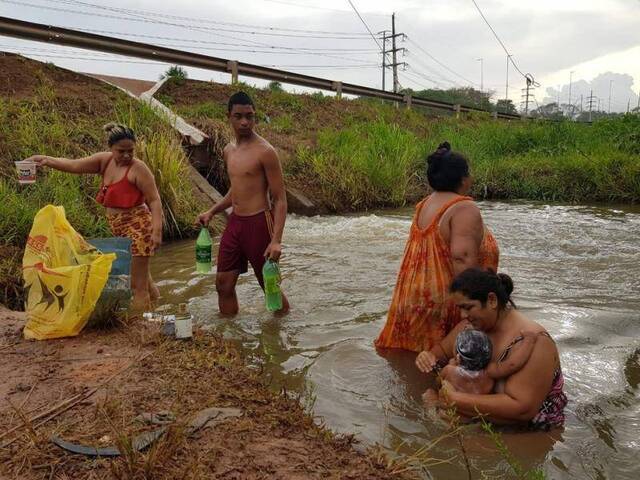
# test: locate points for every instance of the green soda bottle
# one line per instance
(272, 292)
(203, 251)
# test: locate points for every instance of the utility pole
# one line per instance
(394, 50)
(527, 95)
(395, 61)
(591, 102)
(384, 56)
(481, 60)
(506, 91)
(581, 103)
(628, 104)
(610, 87)
(570, 78)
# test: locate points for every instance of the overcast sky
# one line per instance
(597, 40)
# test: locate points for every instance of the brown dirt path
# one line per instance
(273, 439)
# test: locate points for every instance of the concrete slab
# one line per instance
(132, 85)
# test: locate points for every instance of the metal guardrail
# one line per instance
(74, 38)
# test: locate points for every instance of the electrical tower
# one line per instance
(393, 51)
(527, 93)
(591, 100)
(385, 37)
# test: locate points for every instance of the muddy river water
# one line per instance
(576, 270)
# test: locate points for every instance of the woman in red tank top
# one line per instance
(131, 198)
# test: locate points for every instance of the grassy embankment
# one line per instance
(359, 154)
(40, 118)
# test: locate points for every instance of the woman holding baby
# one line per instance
(528, 390)
(508, 367)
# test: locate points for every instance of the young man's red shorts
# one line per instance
(244, 241)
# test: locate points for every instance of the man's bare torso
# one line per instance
(249, 187)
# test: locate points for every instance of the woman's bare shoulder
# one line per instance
(522, 323)
(140, 165)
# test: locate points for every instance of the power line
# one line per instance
(422, 76)
(391, 60)
(513, 62)
(208, 21)
(435, 72)
(439, 62)
(220, 49)
(300, 5)
(365, 24)
(114, 60)
(235, 44)
(419, 85)
(144, 20)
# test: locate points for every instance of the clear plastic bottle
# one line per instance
(272, 292)
(203, 251)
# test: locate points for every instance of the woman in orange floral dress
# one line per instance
(447, 237)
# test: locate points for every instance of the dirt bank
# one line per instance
(136, 370)
(22, 79)
(291, 122)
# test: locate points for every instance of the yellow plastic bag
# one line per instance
(63, 276)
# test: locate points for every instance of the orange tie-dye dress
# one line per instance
(421, 313)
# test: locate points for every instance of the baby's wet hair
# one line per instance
(474, 348)
(118, 131)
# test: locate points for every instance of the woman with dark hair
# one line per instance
(447, 236)
(131, 198)
(532, 395)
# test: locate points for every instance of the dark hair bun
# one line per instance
(440, 152)
(444, 147)
(111, 126)
(506, 282)
(117, 131)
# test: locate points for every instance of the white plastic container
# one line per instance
(183, 322)
(184, 327)
(26, 172)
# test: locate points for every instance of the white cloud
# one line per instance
(615, 62)
(548, 37)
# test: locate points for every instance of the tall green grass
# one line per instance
(563, 161)
(40, 125)
(382, 163)
(168, 163)
(361, 166)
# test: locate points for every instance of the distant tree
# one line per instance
(598, 115)
(506, 106)
(549, 111)
(466, 96)
(275, 86)
(176, 72)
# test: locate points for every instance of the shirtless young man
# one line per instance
(253, 232)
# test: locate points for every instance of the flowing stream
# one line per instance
(576, 270)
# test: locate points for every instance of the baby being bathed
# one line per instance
(472, 371)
